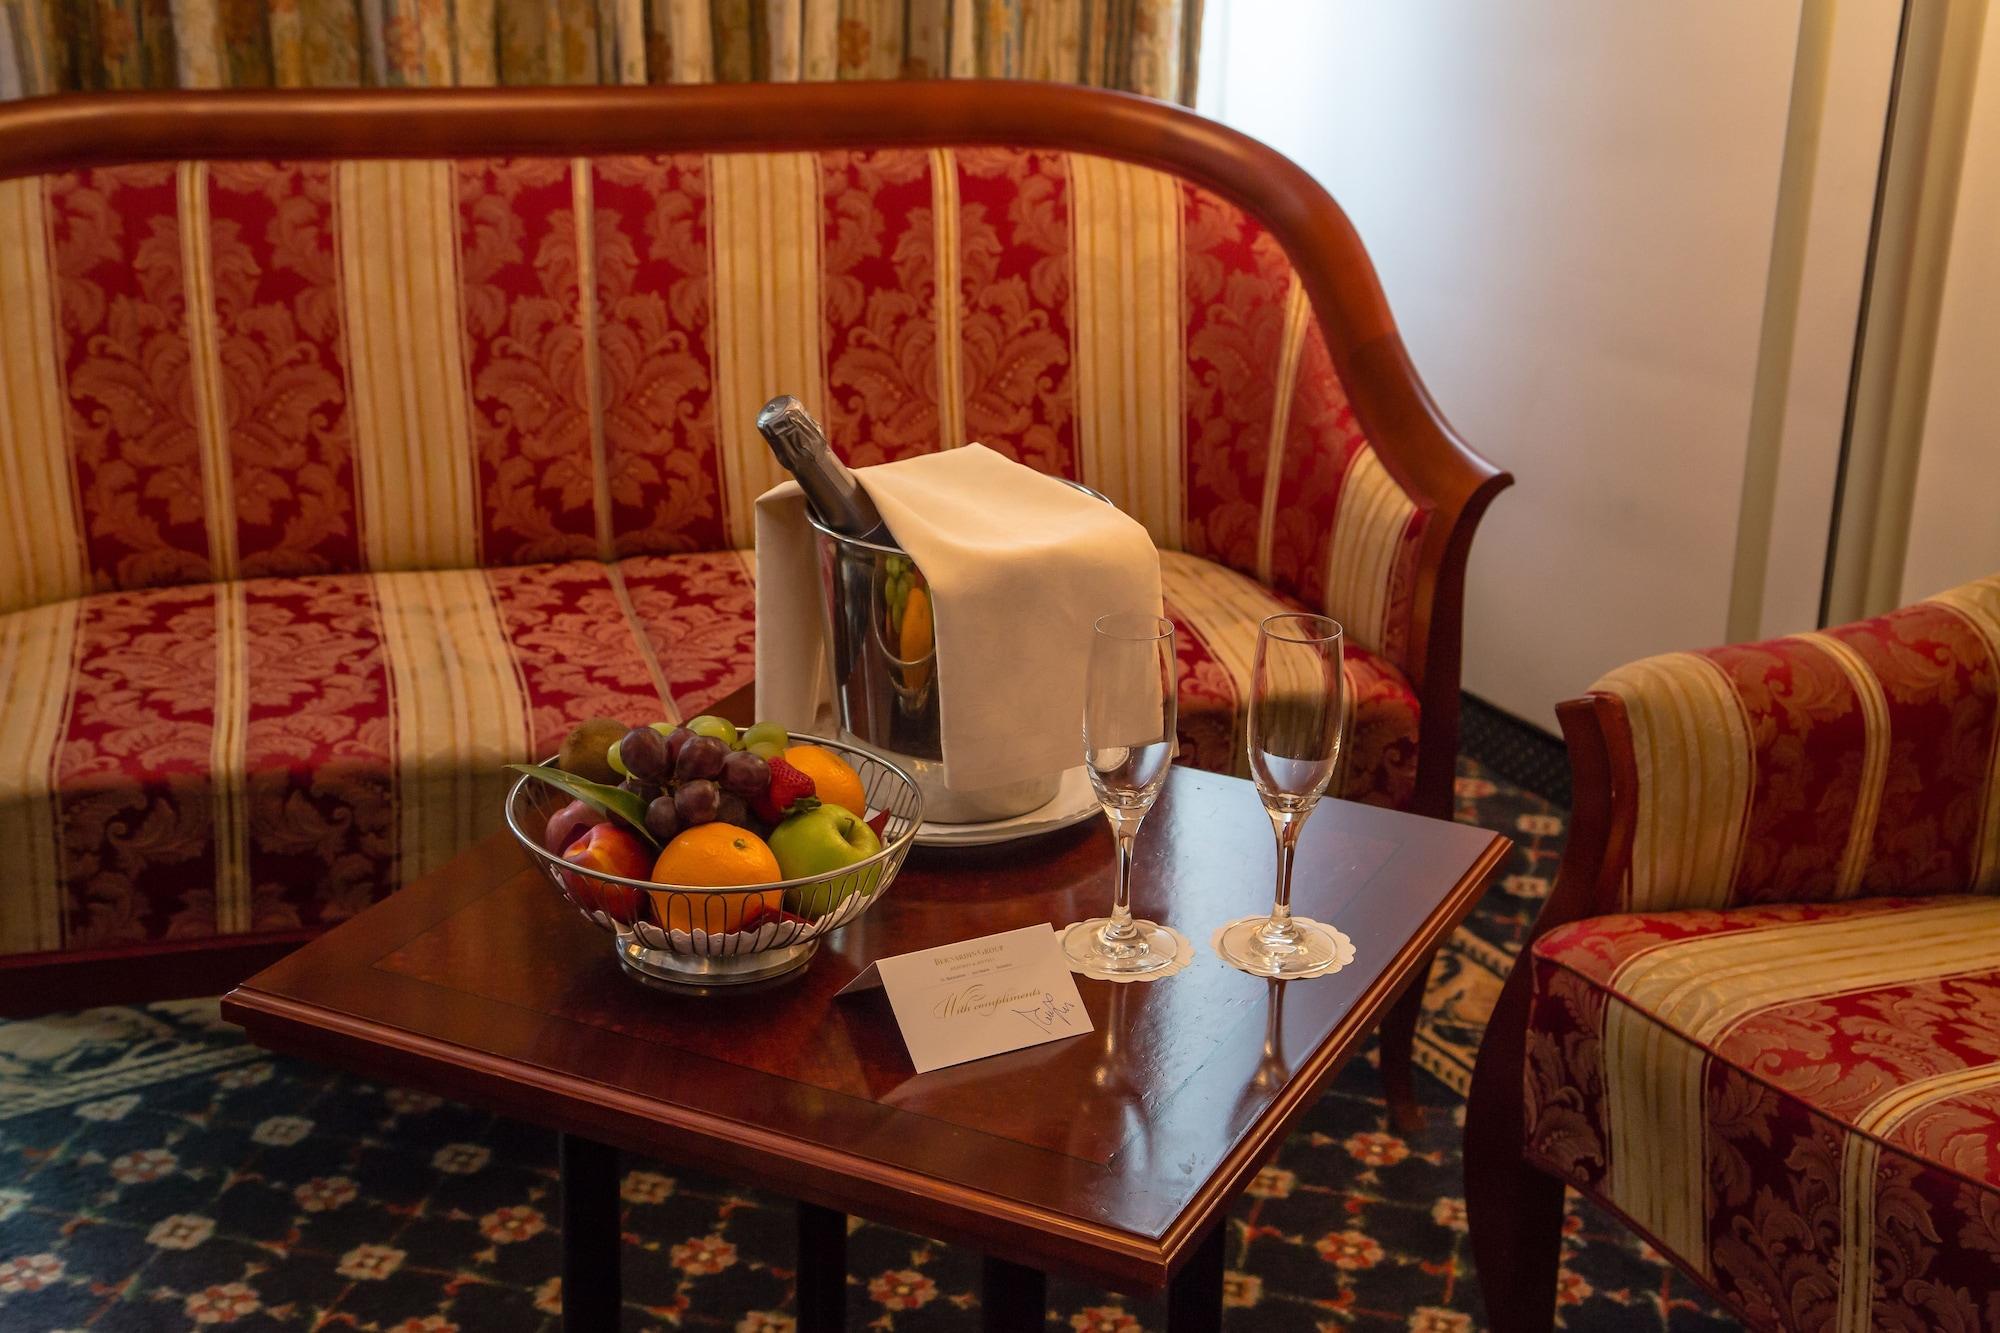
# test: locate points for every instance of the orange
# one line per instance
(834, 780)
(915, 644)
(713, 856)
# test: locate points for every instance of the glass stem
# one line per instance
(1119, 929)
(1286, 824)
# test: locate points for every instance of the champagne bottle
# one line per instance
(835, 497)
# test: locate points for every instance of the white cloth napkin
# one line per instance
(1020, 567)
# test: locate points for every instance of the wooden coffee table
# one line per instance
(1111, 1157)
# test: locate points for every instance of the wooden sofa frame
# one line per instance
(1415, 444)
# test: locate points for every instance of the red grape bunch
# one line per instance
(700, 772)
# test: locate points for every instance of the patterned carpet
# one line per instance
(156, 1172)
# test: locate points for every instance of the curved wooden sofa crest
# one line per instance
(1450, 483)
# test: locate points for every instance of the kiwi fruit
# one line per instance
(583, 750)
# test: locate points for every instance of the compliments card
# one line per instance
(980, 997)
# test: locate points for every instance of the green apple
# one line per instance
(819, 841)
(708, 724)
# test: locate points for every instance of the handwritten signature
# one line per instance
(1047, 1014)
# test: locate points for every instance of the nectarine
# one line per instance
(608, 849)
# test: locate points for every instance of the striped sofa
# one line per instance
(354, 445)
(1760, 1019)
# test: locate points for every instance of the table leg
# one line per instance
(590, 1244)
(1194, 1297)
(1396, 1039)
(822, 1279)
(1012, 1298)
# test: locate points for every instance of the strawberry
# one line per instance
(788, 785)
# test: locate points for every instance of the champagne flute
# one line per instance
(1296, 719)
(1128, 745)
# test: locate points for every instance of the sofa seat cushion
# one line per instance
(1216, 612)
(1803, 1102)
(275, 754)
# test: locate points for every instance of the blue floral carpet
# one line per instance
(157, 1172)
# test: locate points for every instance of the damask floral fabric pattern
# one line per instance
(698, 614)
(1857, 761)
(1322, 441)
(520, 262)
(1245, 316)
(1014, 247)
(133, 815)
(1216, 613)
(115, 238)
(880, 289)
(318, 768)
(242, 757)
(242, 402)
(656, 357)
(246, 756)
(1814, 1129)
(281, 353)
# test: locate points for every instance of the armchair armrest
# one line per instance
(1854, 761)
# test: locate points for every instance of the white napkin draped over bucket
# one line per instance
(1020, 566)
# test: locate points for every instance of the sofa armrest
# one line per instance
(1848, 762)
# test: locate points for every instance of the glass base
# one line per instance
(1260, 946)
(1151, 947)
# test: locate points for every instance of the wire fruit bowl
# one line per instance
(682, 937)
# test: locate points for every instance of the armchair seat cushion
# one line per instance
(1801, 1102)
(274, 754)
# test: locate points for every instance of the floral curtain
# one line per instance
(47, 46)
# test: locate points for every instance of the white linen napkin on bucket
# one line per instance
(1020, 567)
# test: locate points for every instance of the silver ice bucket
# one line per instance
(886, 687)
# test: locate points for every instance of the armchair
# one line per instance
(1759, 1018)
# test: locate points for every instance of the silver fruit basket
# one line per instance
(686, 938)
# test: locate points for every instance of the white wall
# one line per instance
(1571, 205)
(1860, 62)
(1955, 520)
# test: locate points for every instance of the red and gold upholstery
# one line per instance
(1850, 762)
(329, 486)
(276, 753)
(223, 371)
(1764, 1026)
(270, 753)
(1800, 1102)
(1216, 612)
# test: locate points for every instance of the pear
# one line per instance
(583, 750)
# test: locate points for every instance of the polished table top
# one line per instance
(1106, 1155)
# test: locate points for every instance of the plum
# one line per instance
(569, 823)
